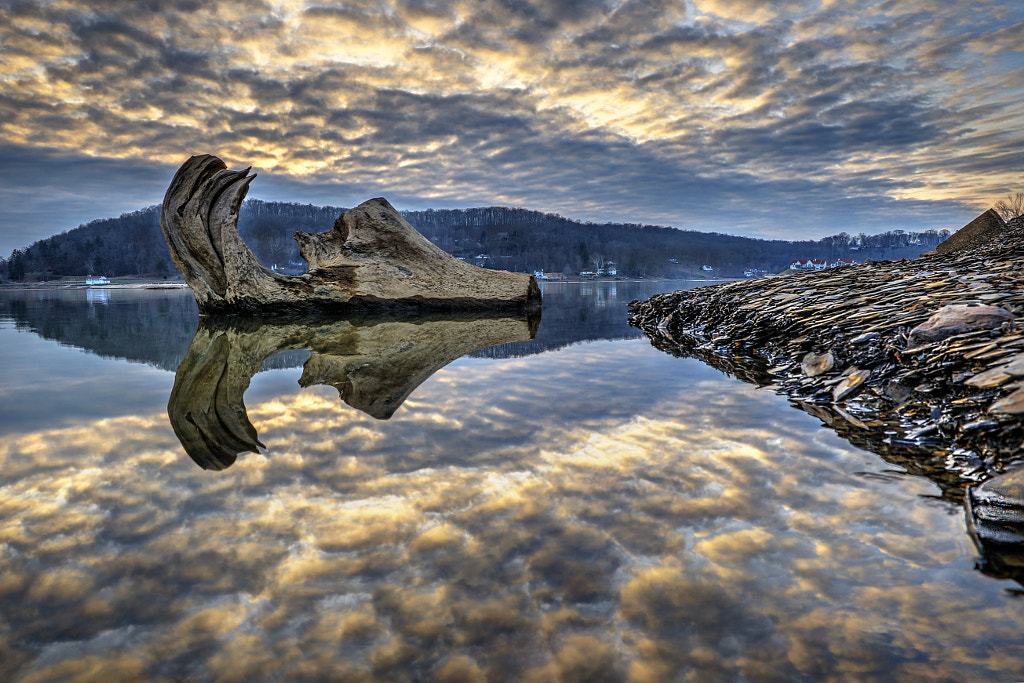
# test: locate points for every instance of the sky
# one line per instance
(794, 119)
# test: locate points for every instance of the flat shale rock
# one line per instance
(926, 356)
(815, 364)
(953, 320)
(1010, 405)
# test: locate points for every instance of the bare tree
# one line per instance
(1011, 207)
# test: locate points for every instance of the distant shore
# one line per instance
(154, 284)
(119, 283)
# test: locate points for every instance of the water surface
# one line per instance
(576, 507)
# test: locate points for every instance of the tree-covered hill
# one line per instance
(495, 237)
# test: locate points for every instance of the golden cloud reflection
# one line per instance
(556, 534)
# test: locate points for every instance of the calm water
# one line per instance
(576, 507)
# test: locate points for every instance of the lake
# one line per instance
(452, 500)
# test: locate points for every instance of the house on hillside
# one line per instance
(97, 280)
(809, 264)
(820, 264)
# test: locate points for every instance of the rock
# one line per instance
(989, 378)
(1015, 366)
(1005, 491)
(952, 320)
(1010, 405)
(850, 385)
(371, 260)
(864, 315)
(815, 364)
(982, 229)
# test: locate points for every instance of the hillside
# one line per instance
(494, 237)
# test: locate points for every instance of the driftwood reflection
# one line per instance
(374, 364)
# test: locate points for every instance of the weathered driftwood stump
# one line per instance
(374, 363)
(372, 259)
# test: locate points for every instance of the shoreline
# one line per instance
(849, 347)
(155, 284)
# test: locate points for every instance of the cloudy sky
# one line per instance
(790, 119)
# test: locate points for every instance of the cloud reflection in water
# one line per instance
(543, 518)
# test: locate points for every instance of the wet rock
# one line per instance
(953, 320)
(926, 357)
(815, 364)
(1011, 405)
(989, 378)
(850, 385)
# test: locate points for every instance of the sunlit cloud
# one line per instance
(726, 116)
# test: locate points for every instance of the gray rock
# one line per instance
(982, 229)
(952, 320)
(867, 336)
(855, 379)
(1009, 405)
(815, 364)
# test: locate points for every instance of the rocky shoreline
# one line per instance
(920, 361)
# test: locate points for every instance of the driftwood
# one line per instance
(371, 260)
(374, 364)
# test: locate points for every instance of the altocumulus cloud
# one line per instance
(734, 115)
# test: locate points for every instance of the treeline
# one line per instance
(130, 244)
(495, 237)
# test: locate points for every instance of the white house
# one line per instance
(97, 280)
(820, 264)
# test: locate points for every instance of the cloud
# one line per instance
(45, 191)
(451, 104)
